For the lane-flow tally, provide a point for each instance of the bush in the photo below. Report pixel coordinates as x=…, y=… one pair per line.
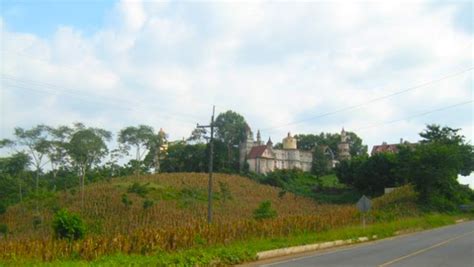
x=264, y=211
x=148, y=204
x=126, y=201
x=37, y=221
x=139, y=189
x=68, y=225
x=3, y=208
x=4, y=230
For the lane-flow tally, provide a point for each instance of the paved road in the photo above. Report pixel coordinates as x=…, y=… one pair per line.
x=448, y=246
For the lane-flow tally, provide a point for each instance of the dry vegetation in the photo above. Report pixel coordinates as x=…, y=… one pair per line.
x=175, y=221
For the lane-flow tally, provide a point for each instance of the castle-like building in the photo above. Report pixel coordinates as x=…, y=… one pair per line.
x=263, y=158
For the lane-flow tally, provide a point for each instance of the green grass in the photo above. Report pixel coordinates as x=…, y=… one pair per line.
x=239, y=252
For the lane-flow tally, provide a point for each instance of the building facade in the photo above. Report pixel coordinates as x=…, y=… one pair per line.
x=264, y=158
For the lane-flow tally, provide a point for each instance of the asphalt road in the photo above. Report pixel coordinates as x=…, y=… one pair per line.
x=448, y=246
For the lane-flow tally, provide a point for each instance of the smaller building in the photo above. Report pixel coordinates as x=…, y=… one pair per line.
x=390, y=148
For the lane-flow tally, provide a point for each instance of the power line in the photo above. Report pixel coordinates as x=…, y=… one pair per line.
x=372, y=100
x=90, y=99
x=416, y=115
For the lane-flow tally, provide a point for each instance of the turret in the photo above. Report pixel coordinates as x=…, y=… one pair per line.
x=269, y=143
x=289, y=142
x=343, y=147
x=259, y=139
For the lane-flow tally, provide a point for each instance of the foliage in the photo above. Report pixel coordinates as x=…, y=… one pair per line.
x=321, y=162
x=68, y=226
x=309, y=141
x=140, y=137
x=224, y=191
x=139, y=189
x=264, y=211
x=4, y=229
x=230, y=130
x=86, y=148
x=147, y=203
x=126, y=201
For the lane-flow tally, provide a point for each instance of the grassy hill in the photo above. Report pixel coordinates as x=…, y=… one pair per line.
x=119, y=221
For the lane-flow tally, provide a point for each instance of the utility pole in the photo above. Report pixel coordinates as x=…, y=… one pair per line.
x=211, y=160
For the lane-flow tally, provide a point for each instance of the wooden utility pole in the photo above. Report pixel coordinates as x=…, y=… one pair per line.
x=211, y=161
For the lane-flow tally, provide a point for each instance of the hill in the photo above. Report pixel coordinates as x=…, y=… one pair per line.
x=118, y=220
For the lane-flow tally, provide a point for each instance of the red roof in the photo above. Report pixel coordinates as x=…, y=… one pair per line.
x=257, y=151
x=393, y=148
x=385, y=148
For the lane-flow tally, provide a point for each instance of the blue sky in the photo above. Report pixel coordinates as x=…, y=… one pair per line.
x=119, y=63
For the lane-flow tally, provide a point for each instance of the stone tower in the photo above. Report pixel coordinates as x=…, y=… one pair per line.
x=343, y=147
x=246, y=146
x=289, y=142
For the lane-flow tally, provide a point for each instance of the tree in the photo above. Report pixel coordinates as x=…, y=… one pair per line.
x=12, y=175
x=36, y=144
x=86, y=148
x=321, y=163
x=309, y=141
x=141, y=138
x=56, y=148
x=434, y=165
x=264, y=211
x=68, y=225
x=198, y=136
x=230, y=129
x=157, y=150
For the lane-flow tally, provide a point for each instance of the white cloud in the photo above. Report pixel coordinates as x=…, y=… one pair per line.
x=165, y=64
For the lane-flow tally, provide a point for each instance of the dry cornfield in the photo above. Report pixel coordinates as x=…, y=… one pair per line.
x=177, y=220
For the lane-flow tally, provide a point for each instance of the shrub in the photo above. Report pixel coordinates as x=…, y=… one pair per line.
x=3, y=208
x=225, y=191
x=139, y=189
x=4, y=230
x=68, y=225
x=264, y=211
x=37, y=221
x=126, y=201
x=148, y=204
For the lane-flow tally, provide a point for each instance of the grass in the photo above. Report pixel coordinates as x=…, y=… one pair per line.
x=239, y=252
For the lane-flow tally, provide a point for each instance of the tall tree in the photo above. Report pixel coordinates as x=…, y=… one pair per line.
x=156, y=151
x=12, y=172
x=321, y=162
x=230, y=129
x=36, y=145
x=86, y=148
x=141, y=138
x=56, y=150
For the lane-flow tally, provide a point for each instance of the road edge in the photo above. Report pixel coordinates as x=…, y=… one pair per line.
x=281, y=252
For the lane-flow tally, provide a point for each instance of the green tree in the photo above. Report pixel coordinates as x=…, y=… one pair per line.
x=56, y=147
x=36, y=145
x=13, y=172
x=68, y=225
x=156, y=151
x=309, y=141
x=434, y=165
x=86, y=148
x=141, y=138
x=230, y=129
x=321, y=162
x=264, y=211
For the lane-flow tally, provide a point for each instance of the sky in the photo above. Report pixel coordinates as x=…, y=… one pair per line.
x=381, y=69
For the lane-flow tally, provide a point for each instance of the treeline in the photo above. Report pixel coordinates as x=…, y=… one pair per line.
x=45, y=159
x=432, y=166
